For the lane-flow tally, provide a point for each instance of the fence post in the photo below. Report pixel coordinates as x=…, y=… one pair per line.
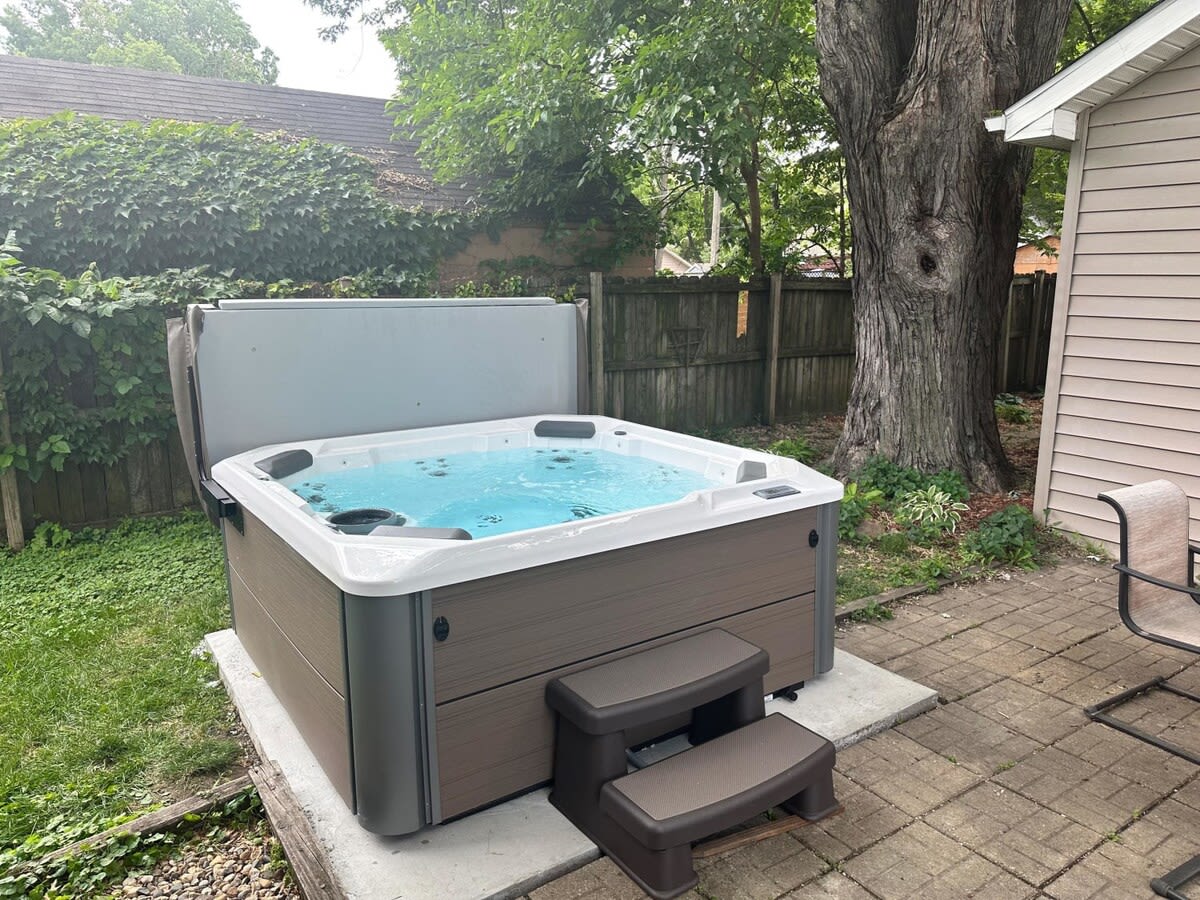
x=1034, y=330
x=9, y=498
x=774, y=326
x=596, y=340
x=1005, y=343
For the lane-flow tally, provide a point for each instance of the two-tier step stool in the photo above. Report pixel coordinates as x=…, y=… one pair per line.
x=741, y=764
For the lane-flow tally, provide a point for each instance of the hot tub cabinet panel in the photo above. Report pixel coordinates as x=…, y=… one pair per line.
x=501, y=741
x=288, y=617
x=514, y=625
x=305, y=604
x=415, y=665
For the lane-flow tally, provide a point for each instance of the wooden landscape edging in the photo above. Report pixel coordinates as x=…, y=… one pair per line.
x=756, y=833
x=160, y=820
x=309, y=862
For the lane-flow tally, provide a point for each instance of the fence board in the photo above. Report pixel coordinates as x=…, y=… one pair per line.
x=95, y=501
x=70, y=494
x=116, y=491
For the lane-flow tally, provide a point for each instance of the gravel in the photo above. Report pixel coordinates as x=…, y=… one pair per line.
x=231, y=863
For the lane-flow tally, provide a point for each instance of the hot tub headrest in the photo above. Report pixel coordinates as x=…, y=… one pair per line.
x=289, y=462
x=564, y=429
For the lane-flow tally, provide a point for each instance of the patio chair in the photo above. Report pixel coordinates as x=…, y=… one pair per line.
x=1158, y=600
x=1157, y=595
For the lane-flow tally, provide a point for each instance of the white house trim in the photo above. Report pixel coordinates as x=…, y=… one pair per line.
x=1048, y=115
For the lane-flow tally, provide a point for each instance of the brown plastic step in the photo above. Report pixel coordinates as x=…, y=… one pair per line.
x=723, y=782
x=656, y=683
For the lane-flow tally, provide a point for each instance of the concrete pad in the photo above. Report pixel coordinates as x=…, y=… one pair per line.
x=854, y=700
x=509, y=849
x=502, y=852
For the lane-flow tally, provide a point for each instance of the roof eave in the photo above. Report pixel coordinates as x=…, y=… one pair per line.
x=1056, y=129
x=1047, y=115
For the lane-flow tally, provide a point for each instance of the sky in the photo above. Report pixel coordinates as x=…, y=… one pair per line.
x=355, y=64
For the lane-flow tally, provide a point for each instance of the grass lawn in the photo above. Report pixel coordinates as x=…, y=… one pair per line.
x=103, y=707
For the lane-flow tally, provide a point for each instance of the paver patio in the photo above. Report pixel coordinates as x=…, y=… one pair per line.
x=1006, y=790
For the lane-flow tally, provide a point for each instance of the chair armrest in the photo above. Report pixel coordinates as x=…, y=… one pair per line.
x=1193, y=553
x=1193, y=592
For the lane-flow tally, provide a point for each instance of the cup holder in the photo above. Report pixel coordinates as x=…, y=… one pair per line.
x=363, y=521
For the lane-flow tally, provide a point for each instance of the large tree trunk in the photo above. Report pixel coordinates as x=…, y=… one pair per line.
x=935, y=205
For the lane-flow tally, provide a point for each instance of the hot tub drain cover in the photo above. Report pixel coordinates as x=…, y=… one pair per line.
x=363, y=521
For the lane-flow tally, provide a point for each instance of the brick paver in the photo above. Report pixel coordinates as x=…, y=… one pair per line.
x=1006, y=790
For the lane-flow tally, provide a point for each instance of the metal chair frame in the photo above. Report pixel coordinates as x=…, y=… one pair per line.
x=1098, y=711
x=1168, y=885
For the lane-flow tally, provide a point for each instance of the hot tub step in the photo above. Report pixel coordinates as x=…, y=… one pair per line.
x=646, y=821
x=717, y=785
x=740, y=765
x=716, y=674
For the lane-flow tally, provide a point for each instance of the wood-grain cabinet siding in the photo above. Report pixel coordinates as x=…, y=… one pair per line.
x=516, y=753
x=512, y=626
x=1128, y=405
x=288, y=617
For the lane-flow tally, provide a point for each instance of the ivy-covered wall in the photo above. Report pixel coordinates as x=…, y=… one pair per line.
x=139, y=198
x=84, y=358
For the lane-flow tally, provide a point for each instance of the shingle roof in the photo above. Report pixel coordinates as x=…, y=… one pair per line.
x=35, y=88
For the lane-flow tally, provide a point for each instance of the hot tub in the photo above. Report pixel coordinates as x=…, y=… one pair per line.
x=413, y=658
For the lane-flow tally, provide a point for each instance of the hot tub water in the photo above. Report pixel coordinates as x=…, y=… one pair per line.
x=501, y=491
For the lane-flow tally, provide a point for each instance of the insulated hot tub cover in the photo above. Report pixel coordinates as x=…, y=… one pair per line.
x=248, y=373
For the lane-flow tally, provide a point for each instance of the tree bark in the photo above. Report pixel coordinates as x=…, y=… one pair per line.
x=935, y=204
x=751, y=171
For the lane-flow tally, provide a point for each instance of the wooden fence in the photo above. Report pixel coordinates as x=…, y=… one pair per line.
x=152, y=479
x=685, y=354
x=714, y=353
x=711, y=353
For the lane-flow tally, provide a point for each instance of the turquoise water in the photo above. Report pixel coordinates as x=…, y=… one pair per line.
x=502, y=491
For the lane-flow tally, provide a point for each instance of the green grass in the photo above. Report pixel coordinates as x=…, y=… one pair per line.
x=103, y=707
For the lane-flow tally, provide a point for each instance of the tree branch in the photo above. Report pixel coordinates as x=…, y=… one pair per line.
x=1087, y=23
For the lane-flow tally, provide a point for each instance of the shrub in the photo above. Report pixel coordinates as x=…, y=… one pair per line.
x=1007, y=536
x=143, y=197
x=891, y=480
x=897, y=481
x=1011, y=408
x=929, y=513
x=951, y=483
x=796, y=448
x=85, y=368
x=855, y=503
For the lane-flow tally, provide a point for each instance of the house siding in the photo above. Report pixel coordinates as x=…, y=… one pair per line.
x=1124, y=403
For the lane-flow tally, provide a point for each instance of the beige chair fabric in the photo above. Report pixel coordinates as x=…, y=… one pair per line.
x=1156, y=543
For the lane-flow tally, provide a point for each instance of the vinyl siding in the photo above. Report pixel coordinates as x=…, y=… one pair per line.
x=1126, y=406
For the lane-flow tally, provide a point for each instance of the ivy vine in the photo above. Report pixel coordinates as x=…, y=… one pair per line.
x=84, y=358
x=145, y=197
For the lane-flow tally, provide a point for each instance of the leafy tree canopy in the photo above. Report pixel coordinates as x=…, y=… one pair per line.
x=664, y=101
x=191, y=37
x=657, y=99
x=1092, y=22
